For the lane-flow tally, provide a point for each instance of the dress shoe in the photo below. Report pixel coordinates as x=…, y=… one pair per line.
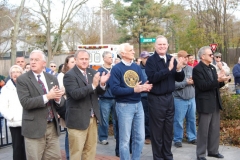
x=194, y=142
x=216, y=155
x=178, y=144
x=201, y=158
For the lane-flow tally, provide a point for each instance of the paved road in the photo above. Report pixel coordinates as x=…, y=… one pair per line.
x=106, y=152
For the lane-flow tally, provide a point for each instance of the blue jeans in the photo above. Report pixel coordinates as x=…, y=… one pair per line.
x=184, y=109
x=130, y=120
x=107, y=106
x=1, y=123
x=66, y=144
x=237, y=91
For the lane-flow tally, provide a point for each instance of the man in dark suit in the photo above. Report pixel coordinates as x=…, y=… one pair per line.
x=208, y=101
x=83, y=85
x=162, y=71
x=39, y=95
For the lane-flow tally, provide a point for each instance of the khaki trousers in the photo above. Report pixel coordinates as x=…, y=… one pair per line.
x=46, y=148
x=83, y=143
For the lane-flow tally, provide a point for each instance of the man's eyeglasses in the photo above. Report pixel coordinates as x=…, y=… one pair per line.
x=218, y=57
x=210, y=55
x=53, y=66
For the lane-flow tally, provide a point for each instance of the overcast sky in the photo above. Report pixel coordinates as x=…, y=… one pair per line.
x=56, y=8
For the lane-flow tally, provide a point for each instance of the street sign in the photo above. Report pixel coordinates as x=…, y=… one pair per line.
x=213, y=46
x=147, y=40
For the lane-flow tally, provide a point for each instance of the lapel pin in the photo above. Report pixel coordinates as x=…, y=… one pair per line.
x=51, y=83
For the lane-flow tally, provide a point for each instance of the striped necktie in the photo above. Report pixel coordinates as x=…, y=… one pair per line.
x=50, y=112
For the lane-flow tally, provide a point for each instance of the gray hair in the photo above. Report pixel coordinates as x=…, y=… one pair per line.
x=42, y=53
x=202, y=50
x=80, y=51
x=161, y=36
x=122, y=48
x=15, y=66
x=105, y=53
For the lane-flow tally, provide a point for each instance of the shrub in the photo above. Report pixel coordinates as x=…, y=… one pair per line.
x=231, y=106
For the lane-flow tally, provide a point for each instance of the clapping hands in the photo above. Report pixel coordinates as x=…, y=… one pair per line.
x=142, y=87
x=55, y=93
x=102, y=79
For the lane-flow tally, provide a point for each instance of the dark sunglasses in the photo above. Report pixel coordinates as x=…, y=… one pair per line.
x=218, y=57
x=53, y=66
x=210, y=55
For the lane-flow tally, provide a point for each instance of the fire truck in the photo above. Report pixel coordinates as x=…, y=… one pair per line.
x=96, y=52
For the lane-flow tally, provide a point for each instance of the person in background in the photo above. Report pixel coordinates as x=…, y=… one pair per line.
x=126, y=83
x=69, y=63
x=117, y=60
x=220, y=65
x=2, y=83
x=12, y=110
x=60, y=68
x=20, y=61
x=162, y=71
x=40, y=95
x=27, y=68
x=191, y=61
x=236, y=74
x=83, y=86
x=144, y=56
x=185, y=106
x=208, y=101
x=53, y=68
x=107, y=102
x=138, y=60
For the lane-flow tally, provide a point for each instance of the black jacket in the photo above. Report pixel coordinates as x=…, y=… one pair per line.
x=206, y=90
x=159, y=75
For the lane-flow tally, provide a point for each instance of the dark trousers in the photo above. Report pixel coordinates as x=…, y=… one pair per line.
x=208, y=133
x=161, y=114
x=18, y=143
x=146, y=117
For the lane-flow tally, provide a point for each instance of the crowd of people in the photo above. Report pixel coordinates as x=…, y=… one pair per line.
x=148, y=102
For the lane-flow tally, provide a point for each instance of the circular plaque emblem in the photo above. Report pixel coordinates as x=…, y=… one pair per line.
x=131, y=78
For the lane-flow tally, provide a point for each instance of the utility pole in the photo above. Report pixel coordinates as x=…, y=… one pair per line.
x=101, y=23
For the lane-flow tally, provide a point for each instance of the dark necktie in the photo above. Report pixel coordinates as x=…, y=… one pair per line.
x=85, y=75
x=209, y=69
x=50, y=112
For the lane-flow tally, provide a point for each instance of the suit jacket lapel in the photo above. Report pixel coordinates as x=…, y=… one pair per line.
x=80, y=75
x=89, y=76
x=213, y=72
x=49, y=81
x=206, y=72
x=35, y=82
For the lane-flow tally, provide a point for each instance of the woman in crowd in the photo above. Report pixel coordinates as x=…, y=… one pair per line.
x=27, y=67
x=60, y=68
x=68, y=64
x=11, y=110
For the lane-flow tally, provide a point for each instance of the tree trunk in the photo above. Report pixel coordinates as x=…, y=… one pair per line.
x=14, y=33
x=49, y=42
